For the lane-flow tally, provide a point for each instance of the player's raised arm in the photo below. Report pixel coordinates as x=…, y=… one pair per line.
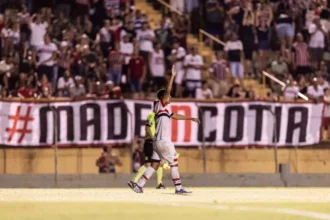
x=183, y=117
x=169, y=85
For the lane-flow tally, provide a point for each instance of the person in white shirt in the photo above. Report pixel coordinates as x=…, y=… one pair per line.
x=145, y=37
x=64, y=84
x=316, y=42
x=204, y=93
x=38, y=30
x=157, y=66
x=126, y=48
x=323, y=83
x=46, y=58
x=106, y=38
x=11, y=37
x=315, y=91
x=193, y=64
x=291, y=91
x=176, y=57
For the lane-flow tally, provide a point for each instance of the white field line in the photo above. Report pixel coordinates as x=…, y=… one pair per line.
x=287, y=211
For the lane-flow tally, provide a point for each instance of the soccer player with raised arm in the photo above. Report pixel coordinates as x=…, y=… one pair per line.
x=148, y=150
x=163, y=147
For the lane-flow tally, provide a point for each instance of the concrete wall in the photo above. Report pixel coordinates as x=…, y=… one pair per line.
x=189, y=180
x=82, y=161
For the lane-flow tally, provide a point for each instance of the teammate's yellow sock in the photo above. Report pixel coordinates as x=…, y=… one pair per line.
x=139, y=174
x=159, y=175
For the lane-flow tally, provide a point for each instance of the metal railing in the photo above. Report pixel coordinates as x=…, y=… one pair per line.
x=213, y=38
x=168, y=7
x=283, y=84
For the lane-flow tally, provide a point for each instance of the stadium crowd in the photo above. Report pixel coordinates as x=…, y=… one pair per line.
x=106, y=48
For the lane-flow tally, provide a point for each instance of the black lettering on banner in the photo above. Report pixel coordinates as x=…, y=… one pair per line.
x=44, y=122
x=239, y=123
x=95, y=121
x=278, y=117
x=119, y=121
x=259, y=119
x=140, y=122
x=292, y=125
x=211, y=137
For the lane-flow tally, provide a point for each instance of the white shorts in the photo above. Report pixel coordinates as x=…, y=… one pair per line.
x=164, y=150
x=179, y=77
x=237, y=69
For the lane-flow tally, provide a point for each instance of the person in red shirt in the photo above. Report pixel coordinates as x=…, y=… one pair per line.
x=136, y=73
x=26, y=91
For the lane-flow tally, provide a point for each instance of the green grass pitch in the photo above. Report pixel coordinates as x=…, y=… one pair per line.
x=204, y=204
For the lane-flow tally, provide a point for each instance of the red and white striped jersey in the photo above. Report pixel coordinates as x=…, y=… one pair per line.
x=163, y=120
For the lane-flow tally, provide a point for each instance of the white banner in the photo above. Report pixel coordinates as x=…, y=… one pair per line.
x=96, y=122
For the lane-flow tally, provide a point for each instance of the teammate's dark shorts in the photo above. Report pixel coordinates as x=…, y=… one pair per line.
x=148, y=150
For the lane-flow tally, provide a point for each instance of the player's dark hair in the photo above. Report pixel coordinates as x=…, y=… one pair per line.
x=161, y=94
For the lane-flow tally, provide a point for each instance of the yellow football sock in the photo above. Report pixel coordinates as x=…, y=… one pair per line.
x=159, y=175
x=139, y=174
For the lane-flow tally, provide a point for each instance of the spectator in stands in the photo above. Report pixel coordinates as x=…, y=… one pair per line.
x=138, y=20
x=323, y=71
x=284, y=25
x=64, y=84
x=108, y=161
x=46, y=53
x=263, y=39
x=205, y=92
x=146, y=37
x=315, y=91
x=291, y=91
x=45, y=87
x=11, y=38
x=157, y=66
x=214, y=19
x=137, y=71
x=264, y=14
x=279, y=67
x=126, y=48
x=220, y=74
x=129, y=30
x=301, y=54
x=316, y=42
x=107, y=38
x=180, y=30
x=116, y=61
x=251, y=95
x=322, y=83
x=176, y=57
x=26, y=91
x=247, y=36
x=234, y=92
x=24, y=19
x=38, y=31
x=193, y=64
x=234, y=50
x=78, y=89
